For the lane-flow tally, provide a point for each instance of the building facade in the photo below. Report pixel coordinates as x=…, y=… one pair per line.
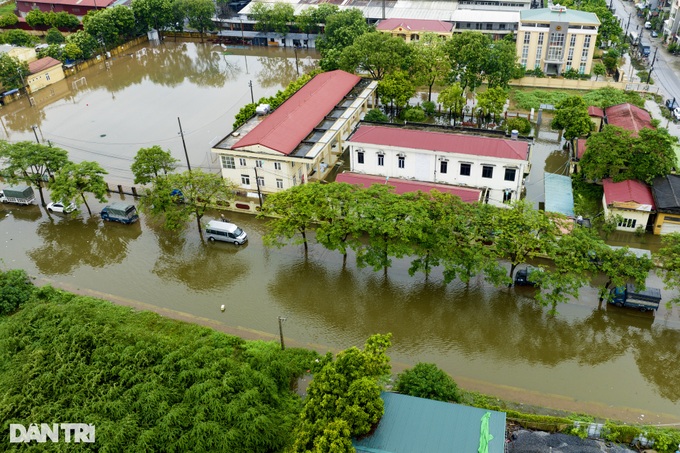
x=301, y=140
x=631, y=202
x=412, y=29
x=496, y=24
x=75, y=7
x=495, y=165
x=44, y=72
x=556, y=40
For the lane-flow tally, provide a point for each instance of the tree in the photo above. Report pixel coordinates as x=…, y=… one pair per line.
x=199, y=190
x=492, y=101
x=668, y=258
x=342, y=29
x=451, y=98
x=621, y=266
x=599, y=69
x=518, y=123
x=376, y=116
x=152, y=14
x=501, y=65
x=15, y=290
x=521, y=233
x=73, y=180
x=607, y=154
x=375, y=53
x=426, y=380
x=272, y=18
x=149, y=163
x=36, y=18
x=199, y=14
x=8, y=19
x=572, y=117
x=20, y=38
x=652, y=155
x=110, y=26
x=611, y=60
x=430, y=61
x=343, y=400
x=54, y=36
x=33, y=163
x=13, y=72
x=309, y=19
x=63, y=20
x=396, y=88
x=293, y=212
x=84, y=42
x=468, y=53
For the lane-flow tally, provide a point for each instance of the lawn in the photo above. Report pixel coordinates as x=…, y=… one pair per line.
x=7, y=8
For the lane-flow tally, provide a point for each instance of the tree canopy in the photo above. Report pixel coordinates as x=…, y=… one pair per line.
x=572, y=117
x=72, y=181
x=375, y=53
x=426, y=380
x=150, y=163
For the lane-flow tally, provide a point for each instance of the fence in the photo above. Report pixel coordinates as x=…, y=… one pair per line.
x=98, y=60
x=568, y=84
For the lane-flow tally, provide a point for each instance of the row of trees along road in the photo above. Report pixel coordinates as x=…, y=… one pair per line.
x=438, y=229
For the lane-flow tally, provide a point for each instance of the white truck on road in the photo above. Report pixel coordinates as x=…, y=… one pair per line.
x=18, y=195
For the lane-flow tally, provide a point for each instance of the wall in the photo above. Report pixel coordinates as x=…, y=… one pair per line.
x=550, y=82
x=98, y=60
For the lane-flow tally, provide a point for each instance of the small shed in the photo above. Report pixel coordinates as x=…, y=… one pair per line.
x=416, y=425
x=559, y=195
x=44, y=72
x=631, y=200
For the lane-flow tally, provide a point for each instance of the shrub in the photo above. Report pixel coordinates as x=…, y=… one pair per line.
x=54, y=36
x=426, y=380
x=376, y=116
x=518, y=123
x=15, y=290
x=414, y=115
x=429, y=107
x=571, y=74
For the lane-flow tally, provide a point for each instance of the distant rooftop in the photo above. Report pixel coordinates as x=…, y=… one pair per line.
x=441, y=141
x=628, y=116
x=417, y=25
x=559, y=14
x=466, y=194
x=44, y=63
x=628, y=191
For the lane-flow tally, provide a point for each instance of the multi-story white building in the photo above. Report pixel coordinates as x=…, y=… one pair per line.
x=495, y=165
x=670, y=25
x=301, y=139
x=556, y=39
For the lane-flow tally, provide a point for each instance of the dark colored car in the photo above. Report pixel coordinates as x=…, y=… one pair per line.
x=523, y=276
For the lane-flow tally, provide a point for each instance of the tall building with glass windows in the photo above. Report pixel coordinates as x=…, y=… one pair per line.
x=555, y=39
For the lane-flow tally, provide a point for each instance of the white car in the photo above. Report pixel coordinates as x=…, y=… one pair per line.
x=58, y=206
x=676, y=113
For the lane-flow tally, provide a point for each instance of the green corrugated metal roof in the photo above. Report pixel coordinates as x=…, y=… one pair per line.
x=416, y=425
x=559, y=195
x=572, y=16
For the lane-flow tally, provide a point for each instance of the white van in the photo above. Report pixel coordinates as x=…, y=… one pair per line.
x=224, y=231
x=648, y=25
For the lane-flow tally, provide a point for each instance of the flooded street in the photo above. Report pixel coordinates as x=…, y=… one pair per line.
x=618, y=363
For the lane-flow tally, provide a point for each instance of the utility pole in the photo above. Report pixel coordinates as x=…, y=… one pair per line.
x=252, y=98
x=281, y=320
x=628, y=24
x=649, y=75
x=654, y=58
x=35, y=133
x=184, y=144
x=257, y=182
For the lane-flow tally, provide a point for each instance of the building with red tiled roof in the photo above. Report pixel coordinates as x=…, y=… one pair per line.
x=467, y=194
x=495, y=165
x=596, y=115
x=629, y=117
x=44, y=72
x=631, y=200
x=301, y=139
x=412, y=29
x=75, y=7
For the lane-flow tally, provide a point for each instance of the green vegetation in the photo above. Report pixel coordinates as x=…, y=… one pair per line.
x=602, y=97
x=520, y=124
x=426, y=380
x=146, y=383
x=15, y=290
x=9, y=7
x=572, y=118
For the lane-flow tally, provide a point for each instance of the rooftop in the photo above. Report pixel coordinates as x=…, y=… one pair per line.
x=420, y=25
x=101, y=4
x=629, y=193
x=666, y=190
x=559, y=195
x=559, y=14
x=581, y=146
x=473, y=15
x=416, y=425
x=628, y=116
x=285, y=128
x=595, y=111
x=36, y=66
x=441, y=142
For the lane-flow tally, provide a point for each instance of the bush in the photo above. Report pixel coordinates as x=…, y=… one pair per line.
x=425, y=380
x=414, y=115
x=571, y=74
x=429, y=107
x=54, y=36
x=376, y=116
x=518, y=123
x=15, y=290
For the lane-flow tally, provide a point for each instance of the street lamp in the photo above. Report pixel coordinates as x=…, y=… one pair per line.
x=281, y=321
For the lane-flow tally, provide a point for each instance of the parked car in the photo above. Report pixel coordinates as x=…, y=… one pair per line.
x=58, y=206
x=527, y=276
x=225, y=231
x=648, y=25
x=676, y=113
x=671, y=104
x=120, y=212
x=654, y=34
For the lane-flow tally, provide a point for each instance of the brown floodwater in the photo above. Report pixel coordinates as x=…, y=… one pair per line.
x=613, y=362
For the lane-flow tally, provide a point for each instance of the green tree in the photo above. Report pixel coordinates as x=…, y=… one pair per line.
x=273, y=17
x=426, y=380
x=652, y=155
x=8, y=19
x=63, y=20
x=15, y=290
x=572, y=117
x=20, y=38
x=200, y=190
x=430, y=61
x=110, y=26
x=54, y=36
x=610, y=60
x=376, y=116
x=342, y=29
x=520, y=124
x=668, y=258
x=32, y=163
x=468, y=53
x=36, y=18
x=13, y=72
x=492, y=101
x=199, y=14
x=599, y=69
x=621, y=266
x=84, y=42
x=150, y=163
x=293, y=212
x=310, y=19
x=451, y=98
x=375, y=53
x=152, y=14
x=396, y=88
x=72, y=181
x=343, y=400
x=501, y=64
x=607, y=154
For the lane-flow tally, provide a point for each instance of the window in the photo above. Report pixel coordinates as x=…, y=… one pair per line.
x=258, y=163
x=510, y=174
x=525, y=55
x=47, y=76
x=279, y=183
x=465, y=169
x=489, y=26
x=555, y=47
x=242, y=162
x=582, y=68
x=294, y=181
x=527, y=38
x=627, y=223
x=360, y=157
x=245, y=180
x=443, y=166
x=507, y=196
x=381, y=160
x=260, y=181
x=228, y=162
x=487, y=171
x=541, y=36
x=277, y=165
x=402, y=161
x=572, y=41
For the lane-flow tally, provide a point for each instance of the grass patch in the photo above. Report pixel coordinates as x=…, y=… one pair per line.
x=526, y=100
x=7, y=8
x=602, y=97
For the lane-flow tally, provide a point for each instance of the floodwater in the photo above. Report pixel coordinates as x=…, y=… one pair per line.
x=617, y=363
